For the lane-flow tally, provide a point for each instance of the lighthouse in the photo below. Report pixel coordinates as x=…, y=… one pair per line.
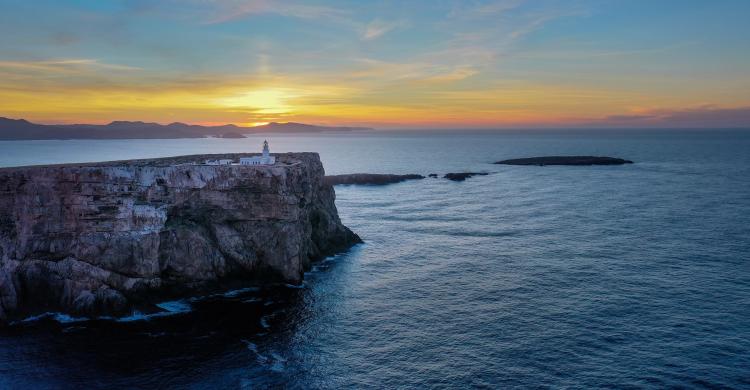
x=264, y=159
x=266, y=151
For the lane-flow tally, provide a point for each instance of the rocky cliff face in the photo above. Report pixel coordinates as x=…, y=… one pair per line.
x=100, y=238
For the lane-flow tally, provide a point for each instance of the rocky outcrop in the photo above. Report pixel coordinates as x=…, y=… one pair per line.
x=461, y=176
x=566, y=160
x=103, y=238
x=369, y=179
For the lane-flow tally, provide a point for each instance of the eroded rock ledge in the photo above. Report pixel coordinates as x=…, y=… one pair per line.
x=101, y=238
x=461, y=176
x=369, y=179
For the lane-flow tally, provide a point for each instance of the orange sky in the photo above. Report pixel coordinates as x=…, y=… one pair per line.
x=489, y=64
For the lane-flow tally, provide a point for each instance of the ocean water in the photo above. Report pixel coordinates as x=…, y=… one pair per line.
x=634, y=276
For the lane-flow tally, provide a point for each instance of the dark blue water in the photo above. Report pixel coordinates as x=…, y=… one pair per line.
x=610, y=277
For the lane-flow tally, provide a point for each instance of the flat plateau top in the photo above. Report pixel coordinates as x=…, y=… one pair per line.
x=282, y=159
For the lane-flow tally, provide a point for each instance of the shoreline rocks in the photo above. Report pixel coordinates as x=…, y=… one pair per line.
x=461, y=176
x=103, y=238
x=565, y=160
x=369, y=179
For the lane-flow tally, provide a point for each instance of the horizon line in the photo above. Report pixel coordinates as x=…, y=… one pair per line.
x=582, y=126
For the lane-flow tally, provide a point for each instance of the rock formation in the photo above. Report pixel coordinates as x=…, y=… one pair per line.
x=461, y=176
x=369, y=178
x=565, y=160
x=103, y=238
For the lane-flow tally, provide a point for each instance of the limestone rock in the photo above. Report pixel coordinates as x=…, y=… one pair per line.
x=461, y=176
x=100, y=238
x=369, y=178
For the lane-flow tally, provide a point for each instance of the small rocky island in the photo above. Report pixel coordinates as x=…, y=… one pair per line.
x=383, y=179
x=104, y=238
x=565, y=160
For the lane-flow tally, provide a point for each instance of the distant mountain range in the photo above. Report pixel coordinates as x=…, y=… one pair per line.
x=21, y=129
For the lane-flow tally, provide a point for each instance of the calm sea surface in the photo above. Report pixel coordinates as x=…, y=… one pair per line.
x=628, y=276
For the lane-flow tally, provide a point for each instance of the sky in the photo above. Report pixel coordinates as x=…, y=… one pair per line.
x=384, y=64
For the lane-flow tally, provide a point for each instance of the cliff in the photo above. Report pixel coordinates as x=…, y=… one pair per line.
x=103, y=238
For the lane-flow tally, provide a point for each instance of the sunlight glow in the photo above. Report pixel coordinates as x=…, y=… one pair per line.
x=262, y=101
x=484, y=63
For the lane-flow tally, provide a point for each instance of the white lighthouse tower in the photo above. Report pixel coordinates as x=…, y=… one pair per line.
x=265, y=159
x=266, y=152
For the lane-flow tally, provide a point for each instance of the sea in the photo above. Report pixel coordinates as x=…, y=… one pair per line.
x=631, y=276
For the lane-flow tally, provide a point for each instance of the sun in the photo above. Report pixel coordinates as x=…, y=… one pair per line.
x=262, y=101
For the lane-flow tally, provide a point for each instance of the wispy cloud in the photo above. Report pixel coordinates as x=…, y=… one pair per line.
x=495, y=8
x=486, y=9
x=378, y=28
x=63, y=65
x=228, y=10
x=423, y=71
x=455, y=74
x=576, y=53
x=488, y=32
x=538, y=20
x=700, y=116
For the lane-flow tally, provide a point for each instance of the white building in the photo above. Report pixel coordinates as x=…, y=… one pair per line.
x=219, y=162
x=265, y=159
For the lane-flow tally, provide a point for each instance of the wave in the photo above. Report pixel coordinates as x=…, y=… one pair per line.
x=462, y=233
x=58, y=317
x=238, y=292
x=264, y=322
x=170, y=308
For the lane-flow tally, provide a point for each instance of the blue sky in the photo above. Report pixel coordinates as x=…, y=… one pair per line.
x=504, y=63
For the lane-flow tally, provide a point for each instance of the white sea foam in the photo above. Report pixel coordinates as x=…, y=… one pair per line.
x=175, y=306
x=277, y=366
x=251, y=346
x=135, y=316
x=278, y=362
x=170, y=308
x=59, y=317
x=238, y=292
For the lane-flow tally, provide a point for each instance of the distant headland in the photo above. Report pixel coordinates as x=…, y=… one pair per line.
x=21, y=129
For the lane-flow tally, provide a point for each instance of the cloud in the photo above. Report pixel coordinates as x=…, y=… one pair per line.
x=701, y=116
x=378, y=28
x=536, y=21
x=456, y=74
x=422, y=71
x=62, y=66
x=228, y=10
x=578, y=54
x=491, y=31
x=628, y=118
x=488, y=9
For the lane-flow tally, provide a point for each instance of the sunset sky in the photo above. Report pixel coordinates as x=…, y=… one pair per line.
x=387, y=64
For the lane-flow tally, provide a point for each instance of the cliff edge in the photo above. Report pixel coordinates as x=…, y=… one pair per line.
x=102, y=238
